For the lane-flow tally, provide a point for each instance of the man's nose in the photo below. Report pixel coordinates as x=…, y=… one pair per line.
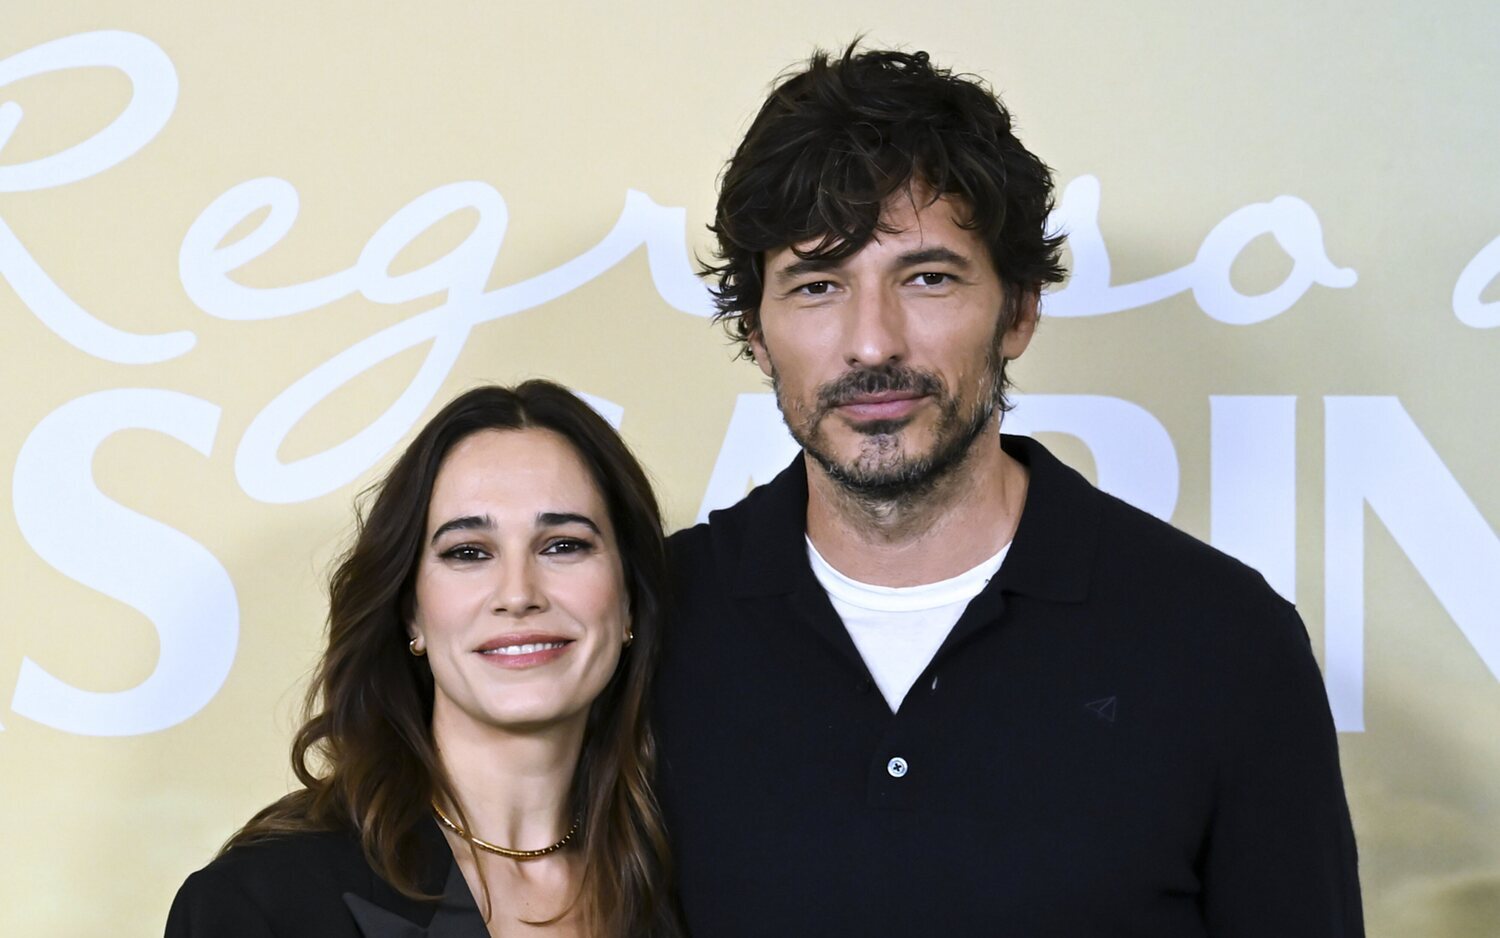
x=875, y=328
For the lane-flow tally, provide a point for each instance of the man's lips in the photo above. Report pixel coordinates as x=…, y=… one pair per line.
x=523, y=650
x=884, y=405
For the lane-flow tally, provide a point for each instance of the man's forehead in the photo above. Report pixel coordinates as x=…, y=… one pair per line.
x=911, y=220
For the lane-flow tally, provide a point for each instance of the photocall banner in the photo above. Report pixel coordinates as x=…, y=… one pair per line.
x=246, y=249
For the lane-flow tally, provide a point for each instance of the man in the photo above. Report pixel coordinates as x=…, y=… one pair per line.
x=929, y=681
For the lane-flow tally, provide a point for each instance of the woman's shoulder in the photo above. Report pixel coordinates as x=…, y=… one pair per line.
x=290, y=857
x=310, y=882
x=253, y=888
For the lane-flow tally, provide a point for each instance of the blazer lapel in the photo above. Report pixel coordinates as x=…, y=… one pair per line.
x=457, y=915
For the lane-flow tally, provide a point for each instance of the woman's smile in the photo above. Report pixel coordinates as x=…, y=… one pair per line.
x=523, y=651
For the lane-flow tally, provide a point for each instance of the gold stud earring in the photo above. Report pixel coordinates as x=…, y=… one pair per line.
x=411, y=646
x=629, y=637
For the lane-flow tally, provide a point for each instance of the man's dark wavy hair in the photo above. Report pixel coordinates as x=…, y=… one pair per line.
x=833, y=142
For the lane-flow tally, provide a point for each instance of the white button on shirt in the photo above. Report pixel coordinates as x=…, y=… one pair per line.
x=898, y=629
x=897, y=767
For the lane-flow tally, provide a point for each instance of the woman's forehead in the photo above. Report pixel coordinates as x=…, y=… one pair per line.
x=515, y=472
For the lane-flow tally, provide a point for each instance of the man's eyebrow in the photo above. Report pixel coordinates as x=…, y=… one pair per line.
x=553, y=519
x=806, y=265
x=934, y=255
x=818, y=265
x=466, y=523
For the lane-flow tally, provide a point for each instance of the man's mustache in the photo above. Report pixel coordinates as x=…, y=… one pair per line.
x=855, y=384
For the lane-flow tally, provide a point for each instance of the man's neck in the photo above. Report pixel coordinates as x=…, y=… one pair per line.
x=961, y=521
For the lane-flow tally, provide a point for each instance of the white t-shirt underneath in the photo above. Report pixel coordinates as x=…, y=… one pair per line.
x=898, y=629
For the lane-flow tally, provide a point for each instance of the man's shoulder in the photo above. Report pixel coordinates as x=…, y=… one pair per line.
x=697, y=542
x=1108, y=546
x=1190, y=594
x=1152, y=550
x=688, y=540
x=694, y=552
x=726, y=528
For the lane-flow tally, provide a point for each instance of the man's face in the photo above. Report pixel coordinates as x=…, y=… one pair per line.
x=887, y=363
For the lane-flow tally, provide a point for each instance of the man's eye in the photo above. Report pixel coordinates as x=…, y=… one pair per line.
x=567, y=545
x=932, y=278
x=816, y=288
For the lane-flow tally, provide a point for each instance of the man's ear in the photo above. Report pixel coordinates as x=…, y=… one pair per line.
x=1018, y=336
x=758, y=349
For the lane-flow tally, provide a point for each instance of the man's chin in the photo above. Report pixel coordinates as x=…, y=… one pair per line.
x=889, y=471
x=891, y=427
x=849, y=441
x=898, y=464
x=885, y=482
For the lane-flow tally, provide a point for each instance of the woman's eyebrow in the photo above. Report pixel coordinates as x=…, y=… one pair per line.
x=466, y=523
x=552, y=519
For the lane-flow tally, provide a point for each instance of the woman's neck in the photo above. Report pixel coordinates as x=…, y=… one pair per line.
x=513, y=787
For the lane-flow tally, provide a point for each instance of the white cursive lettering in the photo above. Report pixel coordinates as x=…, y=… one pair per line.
x=1291, y=221
x=154, y=96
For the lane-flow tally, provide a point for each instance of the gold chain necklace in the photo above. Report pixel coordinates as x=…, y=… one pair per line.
x=508, y=852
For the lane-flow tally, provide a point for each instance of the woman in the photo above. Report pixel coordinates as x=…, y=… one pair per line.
x=478, y=760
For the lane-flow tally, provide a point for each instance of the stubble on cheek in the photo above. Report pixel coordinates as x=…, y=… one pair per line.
x=798, y=415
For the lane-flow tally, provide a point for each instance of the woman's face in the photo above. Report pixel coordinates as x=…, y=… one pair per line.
x=520, y=590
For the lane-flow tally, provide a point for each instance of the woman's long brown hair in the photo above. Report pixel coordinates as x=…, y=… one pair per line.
x=365, y=755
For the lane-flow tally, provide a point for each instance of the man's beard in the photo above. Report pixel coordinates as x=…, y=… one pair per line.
x=882, y=472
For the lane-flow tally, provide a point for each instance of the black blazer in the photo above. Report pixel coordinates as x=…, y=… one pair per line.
x=318, y=884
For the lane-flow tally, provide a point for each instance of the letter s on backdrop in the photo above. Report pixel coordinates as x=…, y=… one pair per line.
x=159, y=571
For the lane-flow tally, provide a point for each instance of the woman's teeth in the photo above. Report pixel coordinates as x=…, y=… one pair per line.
x=523, y=649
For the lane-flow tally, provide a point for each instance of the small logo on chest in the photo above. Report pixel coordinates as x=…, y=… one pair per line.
x=1105, y=708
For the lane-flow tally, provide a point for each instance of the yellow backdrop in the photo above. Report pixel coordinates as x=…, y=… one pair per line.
x=245, y=248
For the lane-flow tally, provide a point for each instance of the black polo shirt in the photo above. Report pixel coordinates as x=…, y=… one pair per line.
x=1124, y=734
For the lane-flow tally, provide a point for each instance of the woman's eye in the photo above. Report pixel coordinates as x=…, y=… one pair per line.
x=567, y=545
x=464, y=553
